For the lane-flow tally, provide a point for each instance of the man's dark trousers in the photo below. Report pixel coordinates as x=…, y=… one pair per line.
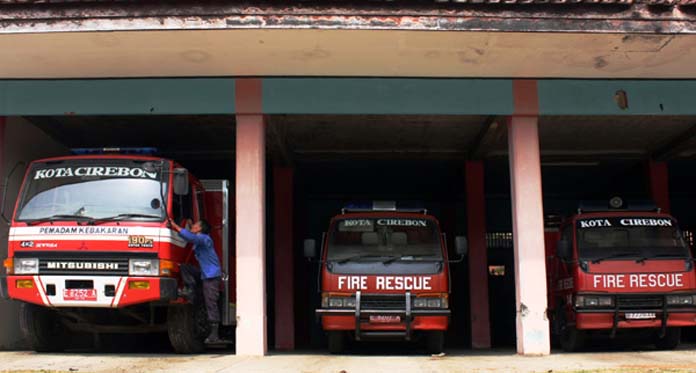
x=211, y=289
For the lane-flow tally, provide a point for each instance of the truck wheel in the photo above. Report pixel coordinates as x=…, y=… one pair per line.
x=185, y=329
x=572, y=339
x=336, y=342
x=435, y=342
x=42, y=328
x=670, y=341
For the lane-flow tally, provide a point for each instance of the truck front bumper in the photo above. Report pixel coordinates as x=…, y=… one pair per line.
x=105, y=291
x=358, y=319
x=614, y=319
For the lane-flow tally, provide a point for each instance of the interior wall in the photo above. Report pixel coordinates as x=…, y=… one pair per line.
x=23, y=142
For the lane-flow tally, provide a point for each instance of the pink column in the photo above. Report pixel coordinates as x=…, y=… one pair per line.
x=3, y=122
x=528, y=231
x=283, y=258
x=250, y=220
x=658, y=179
x=478, y=255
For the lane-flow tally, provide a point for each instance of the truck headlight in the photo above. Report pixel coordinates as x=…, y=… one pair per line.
x=681, y=300
x=143, y=267
x=26, y=266
x=337, y=301
x=431, y=302
x=594, y=301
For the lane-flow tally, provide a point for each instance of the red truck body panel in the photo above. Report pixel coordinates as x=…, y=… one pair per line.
x=646, y=283
x=71, y=250
x=370, y=285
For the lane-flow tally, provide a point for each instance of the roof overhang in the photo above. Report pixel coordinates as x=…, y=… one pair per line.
x=136, y=39
x=362, y=53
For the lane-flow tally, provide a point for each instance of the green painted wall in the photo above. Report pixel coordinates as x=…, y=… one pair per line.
x=341, y=96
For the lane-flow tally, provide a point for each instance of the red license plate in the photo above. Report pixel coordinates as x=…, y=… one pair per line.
x=80, y=294
x=380, y=319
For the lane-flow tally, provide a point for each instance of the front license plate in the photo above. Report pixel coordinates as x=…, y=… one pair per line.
x=640, y=316
x=380, y=319
x=89, y=295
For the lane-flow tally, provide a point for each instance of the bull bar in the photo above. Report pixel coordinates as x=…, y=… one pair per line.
x=408, y=313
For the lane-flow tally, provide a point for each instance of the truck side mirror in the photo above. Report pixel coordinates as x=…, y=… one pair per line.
x=310, y=248
x=461, y=245
x=181, y=182
x=564, y=250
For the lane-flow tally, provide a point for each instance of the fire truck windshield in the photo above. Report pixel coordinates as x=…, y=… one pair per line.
x=90, y=189
x=384, y=239
x=625, y=238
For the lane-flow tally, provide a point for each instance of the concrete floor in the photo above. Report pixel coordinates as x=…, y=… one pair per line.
x=682, y=360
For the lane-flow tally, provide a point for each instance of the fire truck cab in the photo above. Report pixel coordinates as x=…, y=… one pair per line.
x=91, y=252
x=619, y=268
x=384, y=274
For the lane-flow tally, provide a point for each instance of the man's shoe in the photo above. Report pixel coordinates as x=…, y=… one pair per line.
x=213, y=338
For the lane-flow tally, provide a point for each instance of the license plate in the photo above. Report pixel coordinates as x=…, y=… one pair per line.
x=640, y=316
x=380, y=319
x=80, y=294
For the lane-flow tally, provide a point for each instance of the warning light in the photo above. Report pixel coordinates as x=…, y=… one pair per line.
x=91, y=151
x=616, y=202
x=382, y=206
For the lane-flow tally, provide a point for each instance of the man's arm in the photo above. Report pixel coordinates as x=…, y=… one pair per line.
x=185, y=233
x=190, y=237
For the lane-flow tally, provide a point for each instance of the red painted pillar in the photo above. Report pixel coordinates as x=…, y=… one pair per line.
x=658, y=183
x=478, y=255
x=528, y=222
x=283, y=258
x=250, y=219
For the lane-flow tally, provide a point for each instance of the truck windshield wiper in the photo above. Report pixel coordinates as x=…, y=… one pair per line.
x=613, y=256
x=360, y=256
x=57, y=217
x=124, y=216
x=661, y=255
x=399, y=257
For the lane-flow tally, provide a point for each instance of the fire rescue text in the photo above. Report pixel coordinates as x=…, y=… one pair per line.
x=385, y=283
x=642, y=280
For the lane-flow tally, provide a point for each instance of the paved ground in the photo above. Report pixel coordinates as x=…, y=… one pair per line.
x=682, y=360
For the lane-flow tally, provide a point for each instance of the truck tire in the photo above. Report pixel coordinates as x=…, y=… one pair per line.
x=42, y=328
x=572, y=339
x=337, y=342
x=185, y=328
x=435, y=342
x=670, y=341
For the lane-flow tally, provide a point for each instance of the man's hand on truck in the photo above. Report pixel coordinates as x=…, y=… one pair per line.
x=172, y=224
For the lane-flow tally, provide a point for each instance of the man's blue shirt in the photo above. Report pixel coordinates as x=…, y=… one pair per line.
x=205, y=253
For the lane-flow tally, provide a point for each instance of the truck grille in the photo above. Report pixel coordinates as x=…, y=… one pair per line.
x=382, y=302
x=97, y=266
x=639, y=302
x=95, y=263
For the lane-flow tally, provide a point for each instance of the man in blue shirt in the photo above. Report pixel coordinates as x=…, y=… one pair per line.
x=209, y=272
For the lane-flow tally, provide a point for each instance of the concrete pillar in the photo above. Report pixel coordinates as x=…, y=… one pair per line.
x=478, y=255
x=283, y=258
x=528, y=232
x=658, y=184
x=250, y=220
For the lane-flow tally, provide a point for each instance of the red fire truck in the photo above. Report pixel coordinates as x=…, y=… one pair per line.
x=90, y=251
x=384, y=274
x=616, y=268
